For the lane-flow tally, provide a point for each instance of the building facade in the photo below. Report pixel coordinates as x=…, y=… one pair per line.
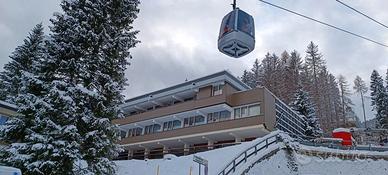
x=206, y=113
x=6, y=110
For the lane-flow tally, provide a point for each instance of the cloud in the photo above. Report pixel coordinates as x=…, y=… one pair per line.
x=179, y=37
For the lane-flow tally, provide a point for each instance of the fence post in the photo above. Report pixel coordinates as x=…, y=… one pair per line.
x=157, y=170
x=234, y=165
x=245, y=156
x=266, y=143
x=255, y=149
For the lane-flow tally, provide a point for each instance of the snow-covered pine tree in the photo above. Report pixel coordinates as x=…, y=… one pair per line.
x=314, y=64
x=40, y=142
x=361, y=88
x=303, y=105
x=248, y=78
x=88, y=53
x=21, y=60
x=379, y=99
x=257, y=73
x=292, y=75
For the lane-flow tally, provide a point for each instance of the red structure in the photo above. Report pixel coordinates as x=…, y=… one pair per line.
x=344, y=134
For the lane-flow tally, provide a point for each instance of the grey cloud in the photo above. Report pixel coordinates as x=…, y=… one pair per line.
x=179, y=37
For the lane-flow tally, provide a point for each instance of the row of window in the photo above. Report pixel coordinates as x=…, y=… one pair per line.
x=247, y=111
x=218, y=116
x=239, y=112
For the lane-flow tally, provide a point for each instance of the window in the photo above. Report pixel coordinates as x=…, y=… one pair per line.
x=245, y=23
x=247, y=111
x=254, y=110
x=195, y=120
x=237, y=113
x=152, y=129
x=134, y=132
x=123, y=134
x=3, y=119
x=227, y=24
x=244, y=111
x=170, y=125
x=218, y=116
x=217, y=89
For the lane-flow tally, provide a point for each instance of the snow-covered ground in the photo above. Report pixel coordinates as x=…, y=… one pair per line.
x=310, y=165
x=279, y=164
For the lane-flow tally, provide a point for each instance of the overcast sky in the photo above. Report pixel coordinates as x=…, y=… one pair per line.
x=179, y=37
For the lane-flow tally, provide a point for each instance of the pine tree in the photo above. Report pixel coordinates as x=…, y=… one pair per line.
x=361, y=88
x=379, y=99
x=292, y=75
x=314, y=64
x=68, y=104
x=257, y=74
x=248, y=79
x=38, y=142
x=21, y=60
x=88, y=56
x=304, y=106
x=346, y=102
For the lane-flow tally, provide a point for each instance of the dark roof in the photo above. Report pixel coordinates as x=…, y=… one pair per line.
x=224, y=72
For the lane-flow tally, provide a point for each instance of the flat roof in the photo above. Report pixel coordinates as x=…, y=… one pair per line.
x=187, y=83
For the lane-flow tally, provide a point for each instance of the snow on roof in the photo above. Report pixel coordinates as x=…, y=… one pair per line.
x=341, y=130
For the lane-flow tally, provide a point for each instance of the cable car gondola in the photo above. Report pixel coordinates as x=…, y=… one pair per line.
x=237, y=33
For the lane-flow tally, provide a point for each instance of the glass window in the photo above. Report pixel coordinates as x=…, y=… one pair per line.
x=244, y=111
x=210, y=117
x=237, y=113
x=227, y=24
x=245, y=23
x=217, y=89
x=123, y=134
x=186, y=122
x=156, y=128
x=3, y=119
x=254, y=110
x=199, y=119
x=177, y=124
x=224, y=115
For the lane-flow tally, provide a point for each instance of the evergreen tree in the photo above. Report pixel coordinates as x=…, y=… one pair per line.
x=257, y=74
x=21, y=60
x=314, y=64
x=379, y=99
x=67, y=128
x=304, y=106
x=361, y=88
x=248, y=79
x=292, y=75
x=38, y=142
x=346, y=102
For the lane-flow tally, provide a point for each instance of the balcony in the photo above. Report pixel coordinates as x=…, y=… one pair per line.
x=173, y=109
x=223, y=130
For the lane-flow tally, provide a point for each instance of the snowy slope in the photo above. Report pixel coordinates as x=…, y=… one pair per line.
x=278, y=164
x=309, y=165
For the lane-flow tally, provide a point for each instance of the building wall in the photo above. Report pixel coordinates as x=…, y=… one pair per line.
x=269, y=108
x=204, y=92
